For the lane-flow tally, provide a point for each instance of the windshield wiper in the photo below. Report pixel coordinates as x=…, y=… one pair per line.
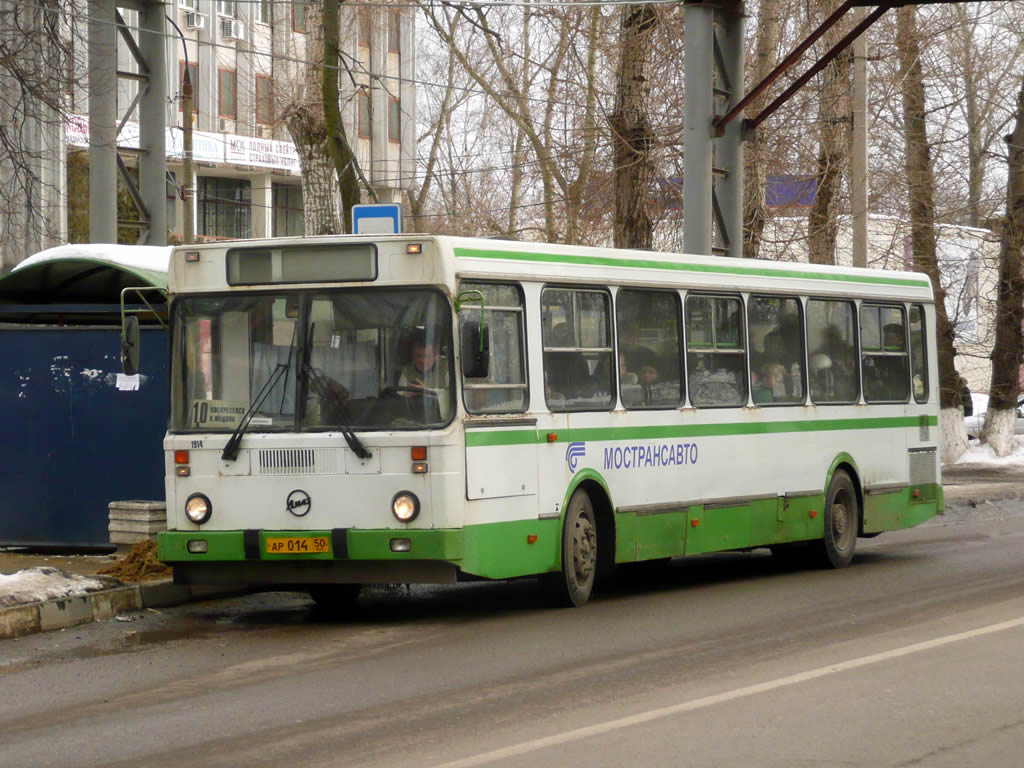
x=230, y=452
x=326, y=391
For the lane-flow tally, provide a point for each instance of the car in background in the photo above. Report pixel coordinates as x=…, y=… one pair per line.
x=977, y=420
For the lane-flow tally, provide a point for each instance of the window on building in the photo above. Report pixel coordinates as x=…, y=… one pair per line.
x=262, y=12
x=193, y=71
x=918, y=354
x=226, y=8
x=288, y=216
x=576, y=332
x=504, y=389
x=715, y=353
x=833, y=373
x=363, y=108
x=264, y=100
x=226, y=93
x=884, y=359
x=650, y=358
x=776, y=333
x=394, y=32
x=299, y=12
x=225, y=207
x=394, y=120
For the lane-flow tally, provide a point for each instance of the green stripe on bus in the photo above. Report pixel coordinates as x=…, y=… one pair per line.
x=682, y=266
x=480, y=438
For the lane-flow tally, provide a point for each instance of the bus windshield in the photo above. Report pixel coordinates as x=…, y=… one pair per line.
x=367, y=359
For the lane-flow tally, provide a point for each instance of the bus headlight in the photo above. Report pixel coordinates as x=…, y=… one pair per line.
x=198, y=508
x=405, y=506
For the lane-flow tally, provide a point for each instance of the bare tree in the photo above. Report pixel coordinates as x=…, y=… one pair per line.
x=631, y=130
x=833, y=146
x=1000, y=417
x=34, y=77
x=920, y=192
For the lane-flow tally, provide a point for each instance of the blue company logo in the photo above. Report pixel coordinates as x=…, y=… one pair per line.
x=574, y=453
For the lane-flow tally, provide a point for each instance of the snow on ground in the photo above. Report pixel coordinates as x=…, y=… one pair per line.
x=981, y=453
x=32, y=585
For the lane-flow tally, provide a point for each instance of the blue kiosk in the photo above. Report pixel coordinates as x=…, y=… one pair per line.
x=76, y=433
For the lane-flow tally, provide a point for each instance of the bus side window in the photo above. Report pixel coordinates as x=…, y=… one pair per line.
x=649, y=352
x=776, y=350
x=576, y=333
x=715, y=351
x=832, y=351
x=504, y=390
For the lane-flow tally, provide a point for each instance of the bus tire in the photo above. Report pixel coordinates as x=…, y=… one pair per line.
x=572, y=586
x=842, y=520
x=335, y=598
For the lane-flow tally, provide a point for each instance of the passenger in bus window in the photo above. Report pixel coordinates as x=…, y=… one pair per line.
x=769, y=384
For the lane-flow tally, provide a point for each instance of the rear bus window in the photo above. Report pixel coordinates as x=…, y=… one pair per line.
x=650, y=353
x=715, y=353
x=833, y=373
x=918, y=356
x=884, y=359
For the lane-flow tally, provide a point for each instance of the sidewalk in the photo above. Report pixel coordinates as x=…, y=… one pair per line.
x=86, y=594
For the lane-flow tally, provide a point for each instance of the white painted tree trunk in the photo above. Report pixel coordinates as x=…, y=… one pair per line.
x=952, y=434
x=998, y=430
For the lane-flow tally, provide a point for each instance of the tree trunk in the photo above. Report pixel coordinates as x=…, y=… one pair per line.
x=631, y=130
x=833, y=145
x=1000, y=418
x=921, y=193
x=340, y=151
x=304, y=117
x=755, y=212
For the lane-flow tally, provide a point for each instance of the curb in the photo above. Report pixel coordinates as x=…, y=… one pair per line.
x=65, y=612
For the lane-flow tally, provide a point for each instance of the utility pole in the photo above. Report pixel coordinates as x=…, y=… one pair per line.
x=188, y=230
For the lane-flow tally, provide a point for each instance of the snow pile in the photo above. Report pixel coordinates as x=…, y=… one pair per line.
x=32, y=585
x=981, y=453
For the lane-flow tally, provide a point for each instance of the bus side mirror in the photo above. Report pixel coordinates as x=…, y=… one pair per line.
x=130, y=345
x=476, y=350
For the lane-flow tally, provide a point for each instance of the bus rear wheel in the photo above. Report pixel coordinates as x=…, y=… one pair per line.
x=335, y=598
x=573, y=585
x=842, y=519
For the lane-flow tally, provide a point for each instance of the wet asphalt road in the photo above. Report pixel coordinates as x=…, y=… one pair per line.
x=909, y=657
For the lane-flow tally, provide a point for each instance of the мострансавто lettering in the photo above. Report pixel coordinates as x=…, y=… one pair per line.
x=641, y=456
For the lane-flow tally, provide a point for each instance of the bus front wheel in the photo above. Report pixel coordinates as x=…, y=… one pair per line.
x=573, y=585
x=842, y=519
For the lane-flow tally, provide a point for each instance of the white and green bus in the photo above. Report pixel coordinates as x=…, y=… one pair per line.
x=423, y=409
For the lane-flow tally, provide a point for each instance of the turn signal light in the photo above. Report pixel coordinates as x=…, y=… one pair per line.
x=181, y=457
x=552, y=437
x=419, y=453
x=413, y=248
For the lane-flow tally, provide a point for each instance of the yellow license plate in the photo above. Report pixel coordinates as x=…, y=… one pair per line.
x=297, y=545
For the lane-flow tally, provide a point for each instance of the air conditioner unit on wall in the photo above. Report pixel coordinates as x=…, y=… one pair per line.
x=232, y=28
x=194, y=20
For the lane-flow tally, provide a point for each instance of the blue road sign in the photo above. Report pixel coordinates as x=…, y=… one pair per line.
x=377, y=219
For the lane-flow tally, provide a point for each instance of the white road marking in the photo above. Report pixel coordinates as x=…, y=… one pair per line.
x=719, y=698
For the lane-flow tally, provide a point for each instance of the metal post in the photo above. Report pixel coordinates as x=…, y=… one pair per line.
x=152, y=121
x=728, y=189
x=186, y=116
x=102, y=122
x=697, y=117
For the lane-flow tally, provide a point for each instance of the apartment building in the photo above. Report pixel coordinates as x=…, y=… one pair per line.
x=246, y=59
